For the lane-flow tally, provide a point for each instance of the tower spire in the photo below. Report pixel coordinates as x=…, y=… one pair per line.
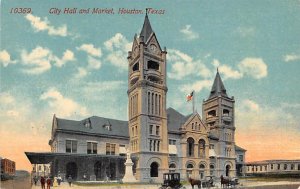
x=218, y=87
x=147, y=29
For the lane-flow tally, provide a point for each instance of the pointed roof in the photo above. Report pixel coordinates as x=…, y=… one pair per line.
x=147, y=29
x=218, y=87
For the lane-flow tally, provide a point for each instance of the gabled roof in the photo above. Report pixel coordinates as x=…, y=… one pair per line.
x=237, y=148
x=98, y=126
x=175, y=119
x=147, y=29
x=217, y=88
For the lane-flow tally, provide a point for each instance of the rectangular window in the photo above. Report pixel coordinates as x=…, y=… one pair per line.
x=172, y=142
x=278, y=166
x=241, y=157
x=150, y=129
x=110, y=149
x=71, y=146
x=157, y=130
x=272, y=166
x=92, y=148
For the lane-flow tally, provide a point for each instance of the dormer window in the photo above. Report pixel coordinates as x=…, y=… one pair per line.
x=107, y=126
x=152, y=65
x=87, y=124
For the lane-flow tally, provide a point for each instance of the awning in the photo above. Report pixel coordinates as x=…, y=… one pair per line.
x=172, y=149
x=212, y=153
x=122, y=150
x=47, y=157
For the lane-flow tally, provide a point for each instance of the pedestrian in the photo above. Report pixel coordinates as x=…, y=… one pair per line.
x=59, y=179
x=70, y=180
x=35, y=179
x=48, y=183
x=55, y=183
x=43, y=182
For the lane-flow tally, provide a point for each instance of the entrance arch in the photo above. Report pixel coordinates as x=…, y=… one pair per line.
x=154, y=169
x=71, y=170
x=227, y=170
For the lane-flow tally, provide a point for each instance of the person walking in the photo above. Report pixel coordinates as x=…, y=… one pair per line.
x=70, y=180
x=48, y=182
x=59, y=179
x=35, y=179
x=43, y=182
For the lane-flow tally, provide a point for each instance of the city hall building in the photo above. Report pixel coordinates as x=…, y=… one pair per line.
x=160, y=139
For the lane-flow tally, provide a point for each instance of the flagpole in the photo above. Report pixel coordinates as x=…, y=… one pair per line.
x=194, y=96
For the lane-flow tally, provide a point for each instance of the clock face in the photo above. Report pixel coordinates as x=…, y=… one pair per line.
x=153, y=47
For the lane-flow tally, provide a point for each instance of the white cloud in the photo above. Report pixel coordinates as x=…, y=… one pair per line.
x=93, y=63
x=188, y=33
x=6, y=98
x=62, y=106
x=67, y=56
x=227, y=71
x=5, y=58
x=39, y=60
x=196, y=86
x=81, y=72
x=118, y=47
x=90, y=49
x=250, y=105
x=291, y=57
x=254, y=67
x=245, y=31
x=44, y=25
x=183, y=65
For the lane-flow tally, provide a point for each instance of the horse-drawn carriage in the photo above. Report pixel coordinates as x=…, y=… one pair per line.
x=226, y=181
x=171, y=181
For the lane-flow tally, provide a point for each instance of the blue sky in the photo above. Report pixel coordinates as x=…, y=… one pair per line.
x=75, y=65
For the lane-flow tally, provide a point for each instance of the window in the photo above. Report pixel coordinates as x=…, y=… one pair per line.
x=110, y=149
x=92, y=148
x=298, y=166
x=272, y=166
x=260, y=168
x=135, y=67
x=241, y=158
x=150, y=129
x=285, y=167
x=278, y=166
x=149, y=103
x=157, y=130
x=153, y=65
x=265, y=168
x=211, y=113
x=226, y=112
x=71, y=146
x=190, y=147
x=150, y=145
x=172, y=142
x=87, y=123
x=201, y=148
x=292, y=166
x=211, y=146
x=192, y=126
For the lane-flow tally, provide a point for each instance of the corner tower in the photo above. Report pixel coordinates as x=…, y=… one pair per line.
x=147, y=89
x=218, y=114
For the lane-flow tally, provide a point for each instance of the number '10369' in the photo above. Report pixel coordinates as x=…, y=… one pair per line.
x=20, y=10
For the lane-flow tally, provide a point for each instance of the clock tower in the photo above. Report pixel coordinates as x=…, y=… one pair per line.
x=147, y=89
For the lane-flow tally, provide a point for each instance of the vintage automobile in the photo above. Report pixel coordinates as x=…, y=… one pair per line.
x=171, y=181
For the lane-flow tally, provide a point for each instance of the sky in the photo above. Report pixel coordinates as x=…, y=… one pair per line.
x=75, y=66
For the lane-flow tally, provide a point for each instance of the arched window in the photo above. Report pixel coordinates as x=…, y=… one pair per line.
x=225, y=112
x=172, y=167
x=211, y=113
x=153, y=65
x=189, y=170
x=201, y=171
x=135, y=67
x=154, y=169
x=190, y=147
x=212, y=168
x=201, y=148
